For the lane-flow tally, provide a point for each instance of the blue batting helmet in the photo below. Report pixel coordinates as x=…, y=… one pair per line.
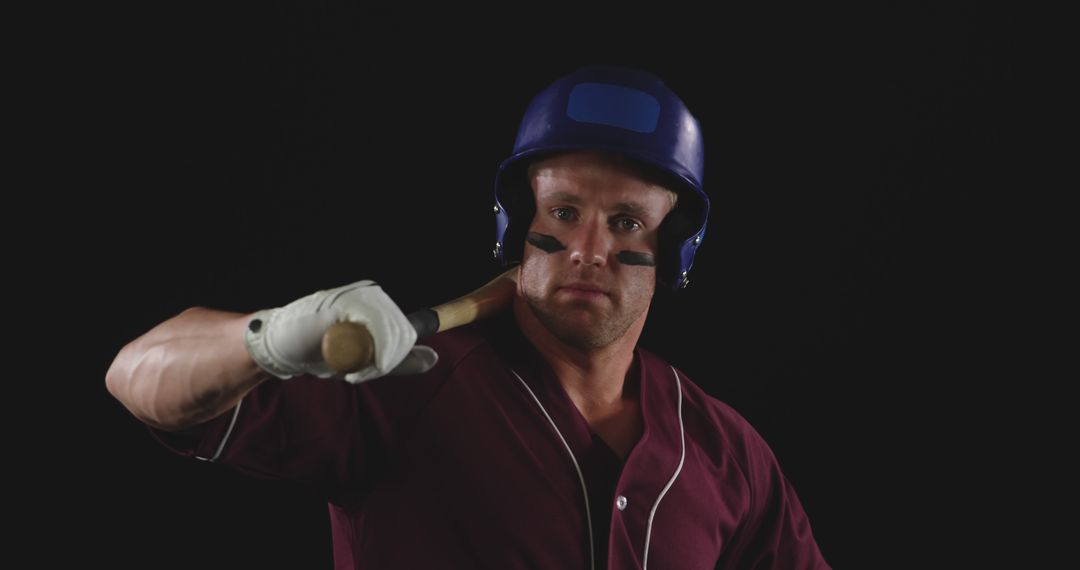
x=623, y=111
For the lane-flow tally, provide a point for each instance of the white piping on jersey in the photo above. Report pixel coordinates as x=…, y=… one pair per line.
x=682, y=457
x=581, y=478
x=228, y=432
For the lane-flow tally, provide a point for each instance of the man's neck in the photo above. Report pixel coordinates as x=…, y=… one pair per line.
x=594, y=378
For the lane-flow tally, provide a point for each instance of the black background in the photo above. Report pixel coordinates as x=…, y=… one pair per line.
x=244, y=157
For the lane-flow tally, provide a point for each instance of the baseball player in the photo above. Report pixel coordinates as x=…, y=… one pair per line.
x=541, y=437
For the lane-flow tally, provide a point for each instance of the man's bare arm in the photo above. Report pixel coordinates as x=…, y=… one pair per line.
x=186, y=370
x=199, y=364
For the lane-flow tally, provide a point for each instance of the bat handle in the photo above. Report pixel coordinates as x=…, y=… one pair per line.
x=348, y=346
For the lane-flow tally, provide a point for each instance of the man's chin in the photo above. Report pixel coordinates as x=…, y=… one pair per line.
x=582, y=329
x=580, y=339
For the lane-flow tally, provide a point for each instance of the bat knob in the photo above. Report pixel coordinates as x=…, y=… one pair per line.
x=348, y=347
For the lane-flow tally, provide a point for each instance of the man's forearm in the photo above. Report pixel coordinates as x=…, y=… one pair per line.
x=185, y=371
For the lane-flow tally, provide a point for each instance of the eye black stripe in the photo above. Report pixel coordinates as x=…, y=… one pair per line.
x=636, y=258
x=544, y=242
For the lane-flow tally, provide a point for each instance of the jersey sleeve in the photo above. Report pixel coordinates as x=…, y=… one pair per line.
x=329, y=434
x=776, y=533
x=340, y=437
x=301, y=429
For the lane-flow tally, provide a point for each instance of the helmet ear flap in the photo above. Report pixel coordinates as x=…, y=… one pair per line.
x=680, y=225
x=676, y=228
x=520, y=205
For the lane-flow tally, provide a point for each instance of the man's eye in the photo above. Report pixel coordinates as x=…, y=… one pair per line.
x=562, y=213
x=627, y=224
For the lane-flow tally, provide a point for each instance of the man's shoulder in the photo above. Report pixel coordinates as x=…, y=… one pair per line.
x=691, y=390
x=458, y=342
x=477, y=339
x=725, y=420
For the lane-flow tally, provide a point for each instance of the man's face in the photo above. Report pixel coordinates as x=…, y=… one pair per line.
x=588, y=271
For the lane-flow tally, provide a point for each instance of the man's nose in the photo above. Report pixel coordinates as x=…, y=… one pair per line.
x=591, y=243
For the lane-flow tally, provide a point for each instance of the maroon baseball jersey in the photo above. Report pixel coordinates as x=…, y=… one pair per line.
x=485, y=462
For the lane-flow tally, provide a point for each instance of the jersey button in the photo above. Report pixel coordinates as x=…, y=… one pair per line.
x=620, y=502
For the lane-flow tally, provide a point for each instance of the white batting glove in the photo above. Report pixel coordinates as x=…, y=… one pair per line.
x=287, y=341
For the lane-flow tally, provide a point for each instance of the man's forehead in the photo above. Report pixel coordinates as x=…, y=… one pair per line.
x=568, y=176
x=584, y=164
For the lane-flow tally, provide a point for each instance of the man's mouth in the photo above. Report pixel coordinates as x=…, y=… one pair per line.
x=584, y=290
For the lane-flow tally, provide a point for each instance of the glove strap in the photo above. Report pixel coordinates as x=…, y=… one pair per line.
x=258, y=346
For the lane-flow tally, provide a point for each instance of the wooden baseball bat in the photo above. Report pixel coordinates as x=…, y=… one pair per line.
x=348, y=346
